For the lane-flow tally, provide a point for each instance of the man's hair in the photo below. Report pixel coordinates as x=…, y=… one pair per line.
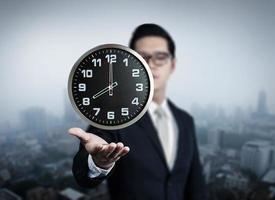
x=152, y=30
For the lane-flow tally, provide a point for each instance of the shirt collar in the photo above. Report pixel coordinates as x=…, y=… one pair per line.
x=153, y=106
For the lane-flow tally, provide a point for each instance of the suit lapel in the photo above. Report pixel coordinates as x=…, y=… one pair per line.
x=181, y=131
x=146, y=123
x=184, y=144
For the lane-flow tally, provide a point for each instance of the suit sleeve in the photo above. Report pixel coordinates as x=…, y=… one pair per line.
x=195, y=189
x=80, y=162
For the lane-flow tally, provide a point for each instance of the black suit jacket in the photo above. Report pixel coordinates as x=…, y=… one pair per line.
x=143, y=173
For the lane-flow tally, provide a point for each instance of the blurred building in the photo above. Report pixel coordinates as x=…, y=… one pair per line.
x=207, y=171
x=4, y=176
x=34, y=119
x=269, y=177
x=262, y=103
x=236, y=181
x=256, y=156
x=41, y=193
x=71, y=194
x=262, y=115
x=215, y=138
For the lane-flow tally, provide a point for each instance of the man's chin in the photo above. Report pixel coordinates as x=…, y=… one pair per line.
x=157, y=89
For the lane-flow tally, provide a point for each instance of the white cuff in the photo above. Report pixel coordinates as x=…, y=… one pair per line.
x=95, y=171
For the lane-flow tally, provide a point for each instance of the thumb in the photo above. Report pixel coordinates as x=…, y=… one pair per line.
x=80, y=134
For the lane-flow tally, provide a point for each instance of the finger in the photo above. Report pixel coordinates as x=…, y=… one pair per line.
x=100, y=152
x=117, y=151
x=108, y=149
x=115, y=159
x=112, y=148
x=98, y=148
x=123, y=152
x=81, y=134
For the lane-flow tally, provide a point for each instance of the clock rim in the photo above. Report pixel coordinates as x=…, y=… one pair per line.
x=151, y=90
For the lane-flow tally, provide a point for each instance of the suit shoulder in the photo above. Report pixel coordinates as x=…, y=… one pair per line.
x=181, y=111
x=186, y=114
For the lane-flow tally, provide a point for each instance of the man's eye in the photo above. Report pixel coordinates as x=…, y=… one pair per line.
x=161, y=57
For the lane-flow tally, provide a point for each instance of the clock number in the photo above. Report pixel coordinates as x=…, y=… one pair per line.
x=124, y=111
x=82, y=87
x=111, y=58
x=110, y=115
x=86, y=101
x=126, y=62
x=135, y=72
x=96, y=62
x=139, y=87
x=87, y=73
x=135, y=101
x=96, y=111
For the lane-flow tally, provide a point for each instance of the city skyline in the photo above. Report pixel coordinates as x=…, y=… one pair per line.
x=25, y=118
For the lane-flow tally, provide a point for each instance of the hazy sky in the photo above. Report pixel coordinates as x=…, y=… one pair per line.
x=225, y=49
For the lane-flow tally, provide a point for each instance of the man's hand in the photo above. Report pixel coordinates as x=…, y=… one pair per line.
x=104, y=155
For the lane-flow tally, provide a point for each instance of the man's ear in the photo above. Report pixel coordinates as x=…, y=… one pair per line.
x=173, y=65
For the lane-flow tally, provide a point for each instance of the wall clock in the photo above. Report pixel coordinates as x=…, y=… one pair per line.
x=110, y=86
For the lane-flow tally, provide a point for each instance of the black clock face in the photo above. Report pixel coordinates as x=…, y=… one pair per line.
x=111, y=86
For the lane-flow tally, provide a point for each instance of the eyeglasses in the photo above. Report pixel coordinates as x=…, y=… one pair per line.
x=158, y=58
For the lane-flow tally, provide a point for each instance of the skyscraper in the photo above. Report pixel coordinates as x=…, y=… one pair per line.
x=255, y=156
x=262, y=103
x=215, y=138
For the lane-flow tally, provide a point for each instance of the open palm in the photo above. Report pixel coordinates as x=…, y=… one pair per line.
x=104, y=154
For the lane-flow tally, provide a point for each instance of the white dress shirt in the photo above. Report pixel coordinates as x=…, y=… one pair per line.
x=172, y=127
x=95, y=171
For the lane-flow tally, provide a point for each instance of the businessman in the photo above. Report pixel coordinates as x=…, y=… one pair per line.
x=163, y=163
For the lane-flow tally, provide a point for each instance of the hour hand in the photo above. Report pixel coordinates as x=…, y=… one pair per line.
x=106, y=89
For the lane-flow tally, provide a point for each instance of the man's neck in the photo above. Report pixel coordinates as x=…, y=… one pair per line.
x=159, y=96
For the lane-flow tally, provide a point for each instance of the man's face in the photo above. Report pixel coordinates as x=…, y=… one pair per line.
x=155, y=51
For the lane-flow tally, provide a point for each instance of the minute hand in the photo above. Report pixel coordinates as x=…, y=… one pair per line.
x=111, y=78
x=106, y=89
